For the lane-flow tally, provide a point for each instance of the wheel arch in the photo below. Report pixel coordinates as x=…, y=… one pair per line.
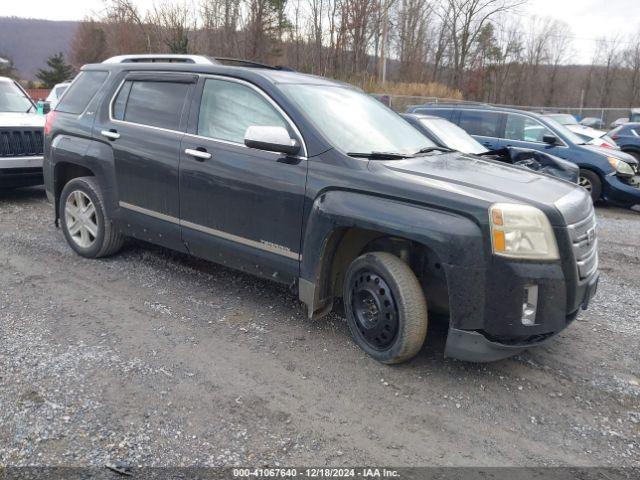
x=343, y=225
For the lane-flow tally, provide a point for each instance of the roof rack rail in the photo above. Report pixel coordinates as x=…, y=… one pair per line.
x=161, y=58
x=240, y=62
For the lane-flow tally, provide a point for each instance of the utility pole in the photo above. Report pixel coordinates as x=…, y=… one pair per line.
x=385, y=33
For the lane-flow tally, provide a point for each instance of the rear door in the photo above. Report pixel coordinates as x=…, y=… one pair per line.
x=240, y=206
x=485, y=126
x=147, y=120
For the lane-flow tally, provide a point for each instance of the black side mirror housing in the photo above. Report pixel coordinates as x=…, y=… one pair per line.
x=550, y=139
x=46, y=107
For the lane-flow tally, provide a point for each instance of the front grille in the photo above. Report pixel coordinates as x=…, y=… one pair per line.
x=20, y=142
x=585, y=245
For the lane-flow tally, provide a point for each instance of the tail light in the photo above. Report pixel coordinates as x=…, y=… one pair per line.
x=48, y=122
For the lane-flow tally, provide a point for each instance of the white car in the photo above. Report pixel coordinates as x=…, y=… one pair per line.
x=21, y=137
x=56, y=92
x=591, y=136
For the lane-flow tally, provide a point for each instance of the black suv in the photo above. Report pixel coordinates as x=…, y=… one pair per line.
x=314, y=184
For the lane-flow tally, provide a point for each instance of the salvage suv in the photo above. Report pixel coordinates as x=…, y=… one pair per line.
x=312, y=183
x=21, y=137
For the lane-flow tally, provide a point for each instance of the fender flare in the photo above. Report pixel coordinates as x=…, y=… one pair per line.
x=455, y=240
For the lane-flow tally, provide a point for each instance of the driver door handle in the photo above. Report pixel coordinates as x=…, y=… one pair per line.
x=110, y=134
x=198, y=154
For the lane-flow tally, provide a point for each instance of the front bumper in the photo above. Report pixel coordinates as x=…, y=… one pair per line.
x=616, y=190
x=20, y=172
x=475, y=346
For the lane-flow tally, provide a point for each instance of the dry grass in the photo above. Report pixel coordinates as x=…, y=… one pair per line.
x=431, y=89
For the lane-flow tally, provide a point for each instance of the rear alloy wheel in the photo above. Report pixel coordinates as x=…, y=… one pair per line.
x=80, y=218
x=84, y=219
x=590, y=181
x=385, y=307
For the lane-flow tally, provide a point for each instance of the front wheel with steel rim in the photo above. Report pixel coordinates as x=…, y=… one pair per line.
x=590, y=181
x=385, y=307
x=85, y=222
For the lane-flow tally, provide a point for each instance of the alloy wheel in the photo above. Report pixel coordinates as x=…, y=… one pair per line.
x=585, y=183
x=81, y=219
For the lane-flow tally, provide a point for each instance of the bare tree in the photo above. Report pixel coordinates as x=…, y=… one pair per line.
x=89, y=44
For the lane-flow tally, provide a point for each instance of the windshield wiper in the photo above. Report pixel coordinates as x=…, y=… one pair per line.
x=378, y=155
x=434, y=149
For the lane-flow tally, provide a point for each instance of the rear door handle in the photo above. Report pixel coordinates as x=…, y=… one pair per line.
x=198, y=154
x=111, y=134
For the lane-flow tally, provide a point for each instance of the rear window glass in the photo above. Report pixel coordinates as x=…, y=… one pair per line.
x=484, y=124
x=82, y=91
x=157, y=104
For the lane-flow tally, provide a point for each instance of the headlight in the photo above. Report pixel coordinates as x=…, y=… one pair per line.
x=620, y=166
x=521, y=231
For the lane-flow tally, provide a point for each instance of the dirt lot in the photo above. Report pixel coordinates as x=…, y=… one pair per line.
x=154, y=358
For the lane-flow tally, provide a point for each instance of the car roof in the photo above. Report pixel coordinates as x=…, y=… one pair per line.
x=270, y=74
x=5, y=79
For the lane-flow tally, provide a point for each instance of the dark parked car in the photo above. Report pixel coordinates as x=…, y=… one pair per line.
x=627, y=137
x=608, y=174
x=314, y=184
x=447, y=135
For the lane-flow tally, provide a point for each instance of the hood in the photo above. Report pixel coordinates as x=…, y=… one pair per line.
x=584, y=130
x=13, y=119
x=610, y=152
x=477, y=178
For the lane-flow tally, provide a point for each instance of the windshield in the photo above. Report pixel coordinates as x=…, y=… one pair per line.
x=453, y=136
x=355, y=122
x=12, y=99
x=568, y=134
x=564, y=119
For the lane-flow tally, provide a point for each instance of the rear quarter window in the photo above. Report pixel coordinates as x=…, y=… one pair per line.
x=81, y=91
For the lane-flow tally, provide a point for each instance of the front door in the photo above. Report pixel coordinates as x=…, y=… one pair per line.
x=240, y=206
x=526, y=132
x=147, y=120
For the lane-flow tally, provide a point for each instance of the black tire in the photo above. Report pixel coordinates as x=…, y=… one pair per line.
x=395, y=332
x=107, y=240
x=591, y=182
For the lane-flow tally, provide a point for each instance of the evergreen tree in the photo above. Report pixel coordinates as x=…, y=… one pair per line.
x=59, y=71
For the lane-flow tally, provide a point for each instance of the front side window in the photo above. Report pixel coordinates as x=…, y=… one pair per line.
x=229, y=108
x=81, y=92
x=13, y=99
x=483, y=124
x=355, y=122
x=525, y=129
x=157, y=104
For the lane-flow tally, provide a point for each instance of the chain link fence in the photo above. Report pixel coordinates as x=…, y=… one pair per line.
x=607, y=116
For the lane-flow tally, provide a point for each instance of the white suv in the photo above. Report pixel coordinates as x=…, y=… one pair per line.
x=21, y=137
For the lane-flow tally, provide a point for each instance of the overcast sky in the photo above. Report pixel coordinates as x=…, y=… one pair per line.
x=588, y=19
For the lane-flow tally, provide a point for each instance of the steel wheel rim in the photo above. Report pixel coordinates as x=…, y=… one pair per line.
x=374, y=309
x=81, y=219
x=585, y=183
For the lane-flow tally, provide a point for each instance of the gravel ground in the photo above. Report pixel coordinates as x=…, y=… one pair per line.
x=156, y=359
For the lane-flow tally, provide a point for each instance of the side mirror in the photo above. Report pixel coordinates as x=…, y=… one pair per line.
x=272, y=139
x=46, y=107
x=550, y=139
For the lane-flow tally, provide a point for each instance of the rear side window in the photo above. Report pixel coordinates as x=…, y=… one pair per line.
x=437, y=112
x=484, y=124
x=229, y=108
x=82, y=91
x=157, y=104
